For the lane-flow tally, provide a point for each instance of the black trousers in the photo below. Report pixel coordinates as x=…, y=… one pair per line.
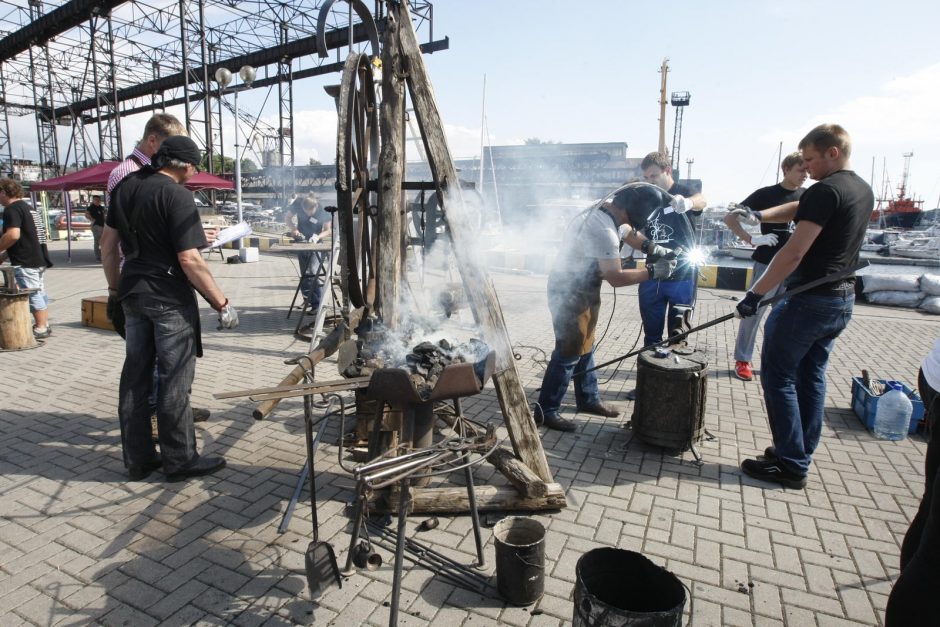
x=913, y=599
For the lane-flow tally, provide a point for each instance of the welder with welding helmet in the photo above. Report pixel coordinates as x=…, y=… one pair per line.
x=590, y=255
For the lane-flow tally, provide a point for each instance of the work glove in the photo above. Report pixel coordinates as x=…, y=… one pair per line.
x=655, y=251
x=662, y=268
x=745, y=215
x=681, y=204
x=115, y=313
x=764, y=240
x=748, y=305
x=228, y=317
x=313, y=239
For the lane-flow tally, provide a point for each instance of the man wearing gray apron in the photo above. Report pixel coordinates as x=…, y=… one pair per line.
x=590, y=254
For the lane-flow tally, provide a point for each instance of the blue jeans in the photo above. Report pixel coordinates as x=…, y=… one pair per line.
x=558, y=375
x=165, y=333
x=655, y=297
x=798, y=337
x=311, y=287
x=747, y=330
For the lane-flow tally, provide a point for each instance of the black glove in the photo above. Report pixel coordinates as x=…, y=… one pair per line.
x=748, y=306
x=116, y=314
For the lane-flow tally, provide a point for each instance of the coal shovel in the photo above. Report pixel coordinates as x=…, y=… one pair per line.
x=320, y=559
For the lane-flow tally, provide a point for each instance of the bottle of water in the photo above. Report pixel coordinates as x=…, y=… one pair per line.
x=893, y=416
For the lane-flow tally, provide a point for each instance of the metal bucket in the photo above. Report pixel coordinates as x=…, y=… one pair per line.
x=520, y=559
x=619, y=588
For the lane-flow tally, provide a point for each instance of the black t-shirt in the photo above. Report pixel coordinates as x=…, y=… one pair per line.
x=765, y=198
x=671, y=229
x=309, y=225
x=97, y=214
x=27, y=251
x=841, y=204
x=156, y=218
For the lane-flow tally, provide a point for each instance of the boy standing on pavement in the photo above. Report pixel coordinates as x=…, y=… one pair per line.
x=831, y=218
x=23, y=237
x=772, y=238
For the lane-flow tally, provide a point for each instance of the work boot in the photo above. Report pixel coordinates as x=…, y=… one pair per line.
x=202, y=466
x=599, y=409
x=556, y=422
x=551, y=420
x=773, y=471
x=742, y=370
x=201, y=414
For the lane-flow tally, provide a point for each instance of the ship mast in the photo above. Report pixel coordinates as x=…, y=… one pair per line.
x=907, y=170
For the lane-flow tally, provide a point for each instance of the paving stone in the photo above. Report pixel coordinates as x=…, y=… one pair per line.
x=79, y=544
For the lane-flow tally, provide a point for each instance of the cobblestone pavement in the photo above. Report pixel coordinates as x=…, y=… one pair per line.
x=79, y=544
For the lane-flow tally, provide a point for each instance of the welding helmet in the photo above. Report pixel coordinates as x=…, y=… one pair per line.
x=640, y=200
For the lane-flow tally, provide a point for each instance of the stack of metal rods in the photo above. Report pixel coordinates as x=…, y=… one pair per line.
x=456, y=573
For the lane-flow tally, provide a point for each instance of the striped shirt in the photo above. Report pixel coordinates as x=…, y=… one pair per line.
x=128, y=166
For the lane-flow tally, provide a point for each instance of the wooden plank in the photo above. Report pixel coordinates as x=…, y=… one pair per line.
x=454, y=500
x=391, y=174
x=482, y=296
x=526, y=482
x=302, y=389
x=324, y=349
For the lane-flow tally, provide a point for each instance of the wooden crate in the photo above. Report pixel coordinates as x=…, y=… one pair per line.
x=95, y=313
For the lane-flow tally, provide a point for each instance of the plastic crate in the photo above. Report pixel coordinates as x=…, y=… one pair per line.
x=865, y=404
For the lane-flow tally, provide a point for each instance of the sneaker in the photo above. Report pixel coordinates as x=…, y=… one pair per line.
x=773, y=471
x=200, y=414
x=742, y=370
x=41, y=334
x=599, y=409
x=770, y=453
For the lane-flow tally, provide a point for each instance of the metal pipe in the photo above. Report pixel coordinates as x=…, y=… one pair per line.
x=412, y=468
x=399, y=552
x=359, y=471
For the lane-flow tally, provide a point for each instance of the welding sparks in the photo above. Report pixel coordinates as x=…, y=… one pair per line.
x=696, y=256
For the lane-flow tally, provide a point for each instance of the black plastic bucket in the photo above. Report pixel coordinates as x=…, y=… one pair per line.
x=618, y=588
x=520, y=559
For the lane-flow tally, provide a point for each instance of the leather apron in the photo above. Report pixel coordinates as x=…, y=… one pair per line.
x=574, y=300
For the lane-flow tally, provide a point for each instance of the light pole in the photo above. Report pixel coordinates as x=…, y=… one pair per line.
x=224, y=77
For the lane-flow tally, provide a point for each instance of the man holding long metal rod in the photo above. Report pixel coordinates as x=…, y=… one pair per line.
x=831, y=218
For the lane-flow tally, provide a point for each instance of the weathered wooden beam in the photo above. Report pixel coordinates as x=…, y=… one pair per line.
x=391, y=175
x=454, y=500
x=526, y=482
x=480, y=292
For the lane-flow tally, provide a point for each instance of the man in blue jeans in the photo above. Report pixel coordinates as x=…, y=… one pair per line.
x=590, y=255
x=831, y=218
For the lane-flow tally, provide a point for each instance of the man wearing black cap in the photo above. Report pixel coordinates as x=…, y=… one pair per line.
x=590, y=255
x=156, y=222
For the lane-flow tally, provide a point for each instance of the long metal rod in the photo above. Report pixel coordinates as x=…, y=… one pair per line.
x=829, y=278
x=399, y=551
x=471, y=492
x=427, y=552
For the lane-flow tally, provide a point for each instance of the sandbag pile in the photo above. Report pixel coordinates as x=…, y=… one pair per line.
x=903, y=290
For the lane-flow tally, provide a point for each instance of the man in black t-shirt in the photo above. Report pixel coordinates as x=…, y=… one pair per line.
x=155, y=221
x=831, y=218
x=671, y=227
x=24, y=235
x=95, y=213
x=772, y=238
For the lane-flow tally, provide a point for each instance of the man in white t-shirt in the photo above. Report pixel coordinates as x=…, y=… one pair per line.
x=589, y=256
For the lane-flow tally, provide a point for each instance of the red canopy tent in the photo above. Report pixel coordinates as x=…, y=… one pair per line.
x=96, y=177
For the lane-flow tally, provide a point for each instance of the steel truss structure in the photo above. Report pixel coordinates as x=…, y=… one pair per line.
x=86, y=64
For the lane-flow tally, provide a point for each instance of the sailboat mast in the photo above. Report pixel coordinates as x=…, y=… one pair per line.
x=482, y=132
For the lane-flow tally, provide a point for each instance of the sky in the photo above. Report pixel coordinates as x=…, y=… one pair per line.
x=759, y=73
